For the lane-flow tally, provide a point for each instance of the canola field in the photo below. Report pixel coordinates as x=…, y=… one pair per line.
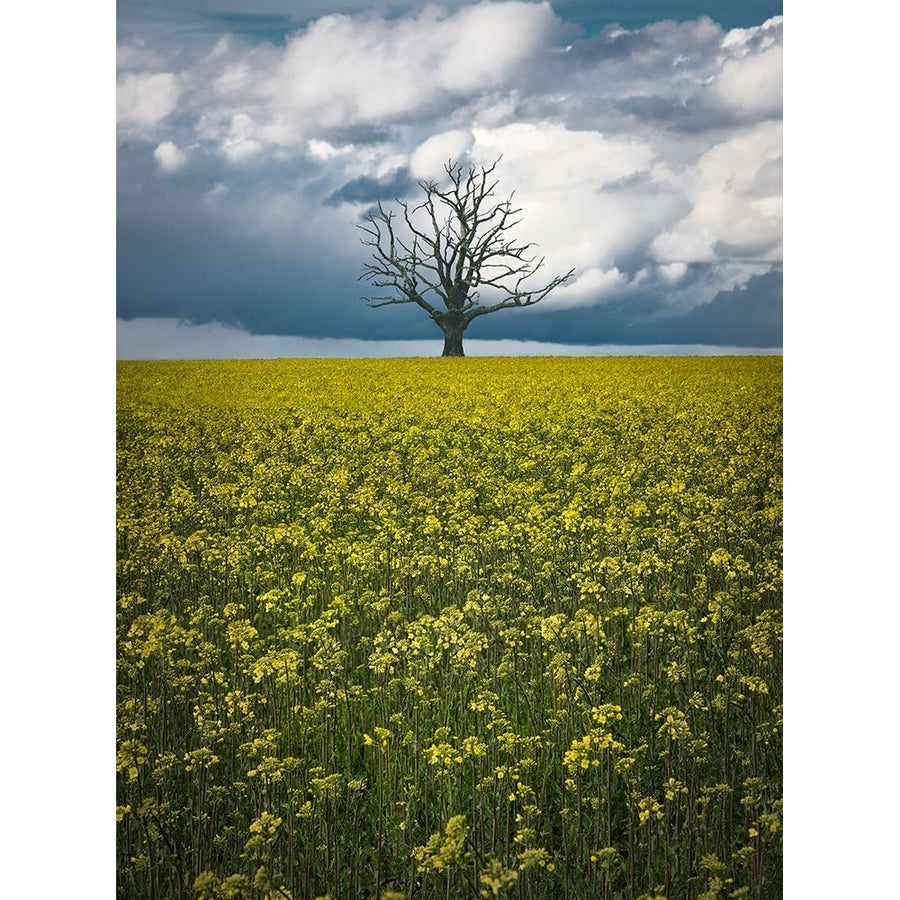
x=449, y=628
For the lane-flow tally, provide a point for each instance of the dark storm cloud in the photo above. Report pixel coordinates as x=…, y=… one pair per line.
x=749, y=316
x=371, y=190
x=158, y=277
x=356, y=133
x=690, y=115
x=157, y=274
x=191, y=251
x=752, y=250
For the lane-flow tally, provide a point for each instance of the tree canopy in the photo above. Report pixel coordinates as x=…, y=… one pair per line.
x=452, y=254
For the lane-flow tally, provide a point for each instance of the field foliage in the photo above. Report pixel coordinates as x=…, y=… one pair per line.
x=449, y=628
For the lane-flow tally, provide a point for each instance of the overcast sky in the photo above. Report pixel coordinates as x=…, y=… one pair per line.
x=643, y=141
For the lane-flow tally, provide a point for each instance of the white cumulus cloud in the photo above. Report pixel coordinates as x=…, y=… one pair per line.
x=735, y=204
x=590, y=287
x=343, y=70
x=145, y=99
x=430, y=157
x=240, y=144
x=169, y=158
x=751, y=83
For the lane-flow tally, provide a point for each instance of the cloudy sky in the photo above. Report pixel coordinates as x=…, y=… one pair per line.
x=643, y=141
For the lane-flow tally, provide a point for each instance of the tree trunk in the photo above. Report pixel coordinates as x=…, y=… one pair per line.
x=453, y=336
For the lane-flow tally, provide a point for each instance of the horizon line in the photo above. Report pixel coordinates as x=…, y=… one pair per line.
x=148, y=339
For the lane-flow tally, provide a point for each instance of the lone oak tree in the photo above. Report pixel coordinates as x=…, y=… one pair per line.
x=451, y=246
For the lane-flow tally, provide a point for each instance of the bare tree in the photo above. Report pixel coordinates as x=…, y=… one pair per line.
x=443, y=252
